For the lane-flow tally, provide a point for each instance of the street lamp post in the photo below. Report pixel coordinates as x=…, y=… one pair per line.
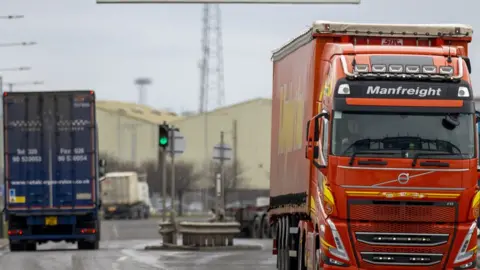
x=11, y=17
x=10, y=85
x=15, y=69
x=13, y=44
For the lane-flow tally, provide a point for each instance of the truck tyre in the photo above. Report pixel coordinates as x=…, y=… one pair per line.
x=14, y=247
x=293, y=241
x=256, y=228
x=286, y=244
x=30, y=246
x=265, y=229
x=84, y=245
x=280, y=245
x=301, y=253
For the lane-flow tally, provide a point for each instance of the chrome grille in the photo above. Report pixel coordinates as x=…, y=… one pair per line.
x=402, y=239
x=405, y=259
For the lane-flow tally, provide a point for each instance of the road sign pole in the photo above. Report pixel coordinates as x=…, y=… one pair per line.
x=220, y=177
x=222, y=153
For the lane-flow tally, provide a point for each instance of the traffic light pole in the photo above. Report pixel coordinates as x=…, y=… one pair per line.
x=172, y=164
x=162, y=159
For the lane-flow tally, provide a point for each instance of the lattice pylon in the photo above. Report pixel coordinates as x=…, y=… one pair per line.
x=212, y=86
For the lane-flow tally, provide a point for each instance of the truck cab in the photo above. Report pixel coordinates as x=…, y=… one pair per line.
x=394, y=149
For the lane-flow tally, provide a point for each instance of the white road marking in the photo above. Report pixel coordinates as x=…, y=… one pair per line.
x=208, y=258
x=121, y=259
x=115, y=266
x=144, y=259
x=270, y=261
x=115, y=231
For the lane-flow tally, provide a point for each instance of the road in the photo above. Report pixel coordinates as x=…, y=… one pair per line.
x=122, y=249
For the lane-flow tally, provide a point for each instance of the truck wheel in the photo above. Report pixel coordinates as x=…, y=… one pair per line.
x=265, y=231
x=255, y=228
x=301, y=253
x=279, y=242
x=14, y=247
x=31, y=246
x=84, y=245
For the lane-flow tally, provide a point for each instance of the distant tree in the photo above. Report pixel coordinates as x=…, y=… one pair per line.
x=113, y=164
x=185, y=179
x=232, y=173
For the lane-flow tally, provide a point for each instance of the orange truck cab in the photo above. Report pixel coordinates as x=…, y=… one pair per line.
x=374, y=148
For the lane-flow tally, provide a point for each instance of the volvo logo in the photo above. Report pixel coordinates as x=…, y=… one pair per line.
x=403, y=178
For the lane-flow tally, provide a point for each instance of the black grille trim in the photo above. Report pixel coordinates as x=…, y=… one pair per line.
x=402, y=259
x=402, y=239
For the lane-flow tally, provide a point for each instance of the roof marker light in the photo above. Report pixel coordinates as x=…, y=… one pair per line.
x=395, y=68
x=361, y=68
x=412, y=69
x=429, y=69
x=379, y=68
x=448, y=70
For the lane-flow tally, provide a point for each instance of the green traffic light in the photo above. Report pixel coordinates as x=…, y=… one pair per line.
x=163, y=140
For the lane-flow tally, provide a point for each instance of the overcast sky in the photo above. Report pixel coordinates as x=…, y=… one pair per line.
x=83, y=45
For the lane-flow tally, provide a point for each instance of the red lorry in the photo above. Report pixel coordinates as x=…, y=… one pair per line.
x=374, y=148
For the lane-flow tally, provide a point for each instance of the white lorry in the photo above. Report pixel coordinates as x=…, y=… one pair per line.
x=125, y=195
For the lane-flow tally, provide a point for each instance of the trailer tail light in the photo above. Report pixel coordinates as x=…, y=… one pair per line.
x=467, y=251
x=15, y=232
x=88, y=231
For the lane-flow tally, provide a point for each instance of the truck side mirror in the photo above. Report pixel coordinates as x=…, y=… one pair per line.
x=312, y=150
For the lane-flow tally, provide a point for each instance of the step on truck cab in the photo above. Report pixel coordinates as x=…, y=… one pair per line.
x=374, y=149
x=51, y=168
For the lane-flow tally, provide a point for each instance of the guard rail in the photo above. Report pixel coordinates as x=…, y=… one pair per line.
x=200, y=234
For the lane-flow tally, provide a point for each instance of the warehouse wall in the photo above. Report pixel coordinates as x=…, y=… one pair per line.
x=129, y=131
x=125, y=138
x=253, y=138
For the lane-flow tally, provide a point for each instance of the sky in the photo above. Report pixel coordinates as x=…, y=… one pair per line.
x=84, y=45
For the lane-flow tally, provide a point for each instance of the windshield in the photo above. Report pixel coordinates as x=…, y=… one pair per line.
x=404, y=135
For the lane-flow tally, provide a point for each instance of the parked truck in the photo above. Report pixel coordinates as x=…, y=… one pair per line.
x=51, y=168
x=252, y=217
x=123, y=196
x=373, y=149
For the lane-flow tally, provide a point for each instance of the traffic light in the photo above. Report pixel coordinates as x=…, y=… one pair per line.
x=163, y=131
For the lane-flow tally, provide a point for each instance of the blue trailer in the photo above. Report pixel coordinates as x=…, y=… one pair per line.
x=51, y=169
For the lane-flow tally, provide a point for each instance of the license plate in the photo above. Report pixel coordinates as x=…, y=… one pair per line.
x=51, y=221
x=111, y=209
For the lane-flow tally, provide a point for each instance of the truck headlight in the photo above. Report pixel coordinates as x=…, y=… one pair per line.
x=474, y=211
x=339, y=249
x=465, y=254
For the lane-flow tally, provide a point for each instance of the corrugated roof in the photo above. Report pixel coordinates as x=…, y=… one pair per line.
x=151, y=115
x=222, y=110
x=137, y=111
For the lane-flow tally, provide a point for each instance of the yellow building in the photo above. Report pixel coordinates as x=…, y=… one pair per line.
x=129, y=131
x=253, y=126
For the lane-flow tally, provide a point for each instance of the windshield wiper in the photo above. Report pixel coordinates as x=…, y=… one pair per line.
x=355, y=153
x=417, y=155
